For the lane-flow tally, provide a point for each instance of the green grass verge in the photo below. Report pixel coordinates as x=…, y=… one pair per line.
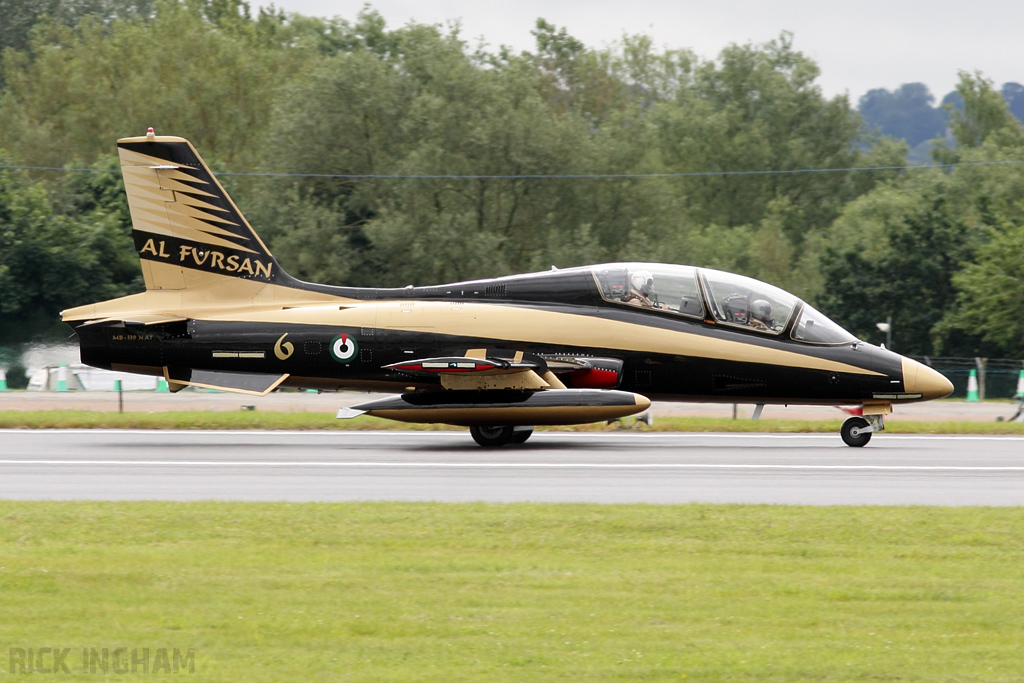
x=84, y=419
x=441, y=592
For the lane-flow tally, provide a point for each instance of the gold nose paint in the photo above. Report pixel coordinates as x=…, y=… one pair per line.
x=921, y=379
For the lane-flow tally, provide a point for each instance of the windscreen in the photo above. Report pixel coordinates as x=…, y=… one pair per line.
x=813, y=326
x=746, y=302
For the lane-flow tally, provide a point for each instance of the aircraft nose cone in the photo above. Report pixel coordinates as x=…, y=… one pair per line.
x=921, y=379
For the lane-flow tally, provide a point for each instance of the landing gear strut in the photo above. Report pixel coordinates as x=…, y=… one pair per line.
x=857, y=431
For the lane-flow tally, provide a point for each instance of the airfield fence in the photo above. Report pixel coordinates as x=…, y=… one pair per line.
x=997, y=377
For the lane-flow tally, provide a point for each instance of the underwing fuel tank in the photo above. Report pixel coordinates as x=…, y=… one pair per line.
x=504, y=407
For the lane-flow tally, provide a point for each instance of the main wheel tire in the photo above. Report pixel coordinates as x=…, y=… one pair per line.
x=521, y=435
x=492, y=437
x=853, y=432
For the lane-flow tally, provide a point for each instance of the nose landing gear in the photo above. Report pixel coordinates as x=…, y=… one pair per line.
x=857, y=431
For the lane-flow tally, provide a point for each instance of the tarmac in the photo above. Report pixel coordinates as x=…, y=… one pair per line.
x=619, y=466
x=947, y=410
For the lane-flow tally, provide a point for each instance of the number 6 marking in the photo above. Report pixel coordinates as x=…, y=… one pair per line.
x=283, y=351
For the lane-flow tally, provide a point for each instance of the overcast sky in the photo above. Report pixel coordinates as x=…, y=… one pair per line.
x=858, y=45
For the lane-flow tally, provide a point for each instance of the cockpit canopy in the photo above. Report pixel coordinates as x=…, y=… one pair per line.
x=733, y=300
x=651, y=285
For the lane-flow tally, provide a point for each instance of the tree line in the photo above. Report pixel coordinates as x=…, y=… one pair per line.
x=909, y=112
x=643, y=153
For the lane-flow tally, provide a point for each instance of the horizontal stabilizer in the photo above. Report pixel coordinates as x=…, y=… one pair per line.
x=239, y=382
x=147, y=320
x=140, y=320
x=504, y=407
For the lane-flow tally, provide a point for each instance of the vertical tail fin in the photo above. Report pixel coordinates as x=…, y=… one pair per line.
x=187, y=231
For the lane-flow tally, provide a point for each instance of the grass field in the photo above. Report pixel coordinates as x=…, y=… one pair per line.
x=431, y=592
x=84, y=419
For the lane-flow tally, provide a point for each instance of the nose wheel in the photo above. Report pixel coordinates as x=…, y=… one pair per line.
x=857, y=431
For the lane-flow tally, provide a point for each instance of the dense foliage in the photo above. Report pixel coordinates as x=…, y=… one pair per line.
x=298, y=95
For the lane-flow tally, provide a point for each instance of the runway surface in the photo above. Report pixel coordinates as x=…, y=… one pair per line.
x=610, y=467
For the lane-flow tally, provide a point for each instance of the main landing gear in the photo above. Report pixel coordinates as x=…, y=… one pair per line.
x=857, y=431
x=497, y=436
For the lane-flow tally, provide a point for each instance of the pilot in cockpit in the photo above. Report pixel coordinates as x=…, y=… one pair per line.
x=761, y=315
x=641, y=289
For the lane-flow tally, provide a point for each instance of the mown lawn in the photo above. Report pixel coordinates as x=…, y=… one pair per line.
x=443, y=592
x=86, y=419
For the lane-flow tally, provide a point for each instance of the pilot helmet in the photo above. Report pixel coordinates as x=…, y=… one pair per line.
x=761, y=309
x=642, y=281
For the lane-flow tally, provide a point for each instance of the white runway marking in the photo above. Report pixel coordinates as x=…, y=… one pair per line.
x=511, y=465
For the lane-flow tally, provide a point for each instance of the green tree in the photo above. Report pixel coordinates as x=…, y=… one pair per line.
x=907, y=275
x=22, y=16
x=425, y=108
x=50, y=260
x=908, y=247
x=302, y=96
x=575, y=78
x=983, y=117
x=990, y=289
x=897, y=250
x=78, y=89
x=758, y=109
x=414, y=101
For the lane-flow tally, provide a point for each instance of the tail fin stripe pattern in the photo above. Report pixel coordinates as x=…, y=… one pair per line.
x=171, y=179
x=185, y=221
x=189, y=200
x=174, y=183
x=188, y=221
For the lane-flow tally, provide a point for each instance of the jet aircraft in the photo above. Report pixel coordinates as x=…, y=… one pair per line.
x=499, y=356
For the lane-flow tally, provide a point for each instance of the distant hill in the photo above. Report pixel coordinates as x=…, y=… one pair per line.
x=910, y=112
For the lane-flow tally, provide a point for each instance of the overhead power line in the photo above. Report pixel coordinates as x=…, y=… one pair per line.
x=546, y=176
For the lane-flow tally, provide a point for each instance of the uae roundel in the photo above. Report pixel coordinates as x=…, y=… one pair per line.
x=344, y=348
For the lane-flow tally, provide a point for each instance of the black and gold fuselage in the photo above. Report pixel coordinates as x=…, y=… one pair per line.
x=554, y=314
x=557, y=347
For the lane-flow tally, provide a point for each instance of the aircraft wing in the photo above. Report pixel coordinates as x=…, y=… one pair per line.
x=462, y=364
x=479, y=369
x=487, y=388
x=471, y=373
